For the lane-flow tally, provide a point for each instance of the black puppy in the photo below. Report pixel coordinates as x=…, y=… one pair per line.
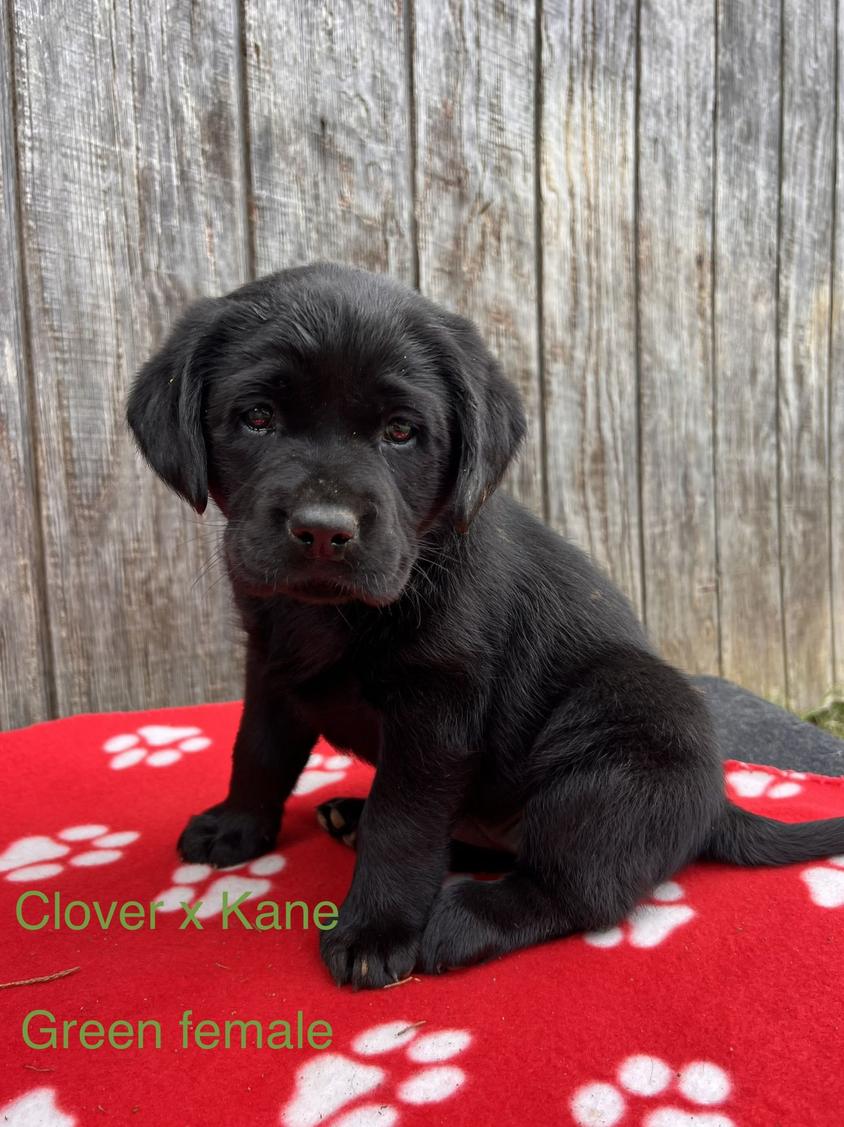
x=353, y=434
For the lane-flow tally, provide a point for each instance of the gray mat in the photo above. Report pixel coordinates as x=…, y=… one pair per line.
x=756, y=731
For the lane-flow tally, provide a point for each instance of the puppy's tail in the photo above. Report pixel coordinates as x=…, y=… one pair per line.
x=742, y=838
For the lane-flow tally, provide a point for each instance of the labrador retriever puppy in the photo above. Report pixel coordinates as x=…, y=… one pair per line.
x=353, y=435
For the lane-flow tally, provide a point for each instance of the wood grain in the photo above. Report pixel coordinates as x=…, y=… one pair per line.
x=804, y=309
x=648, y=235
x=25, y=682
x=836, y=382
x=329, y=135
x=676, y=150
x=588, y=250
x=746, y=205
x=474, y=81
x=131, y=199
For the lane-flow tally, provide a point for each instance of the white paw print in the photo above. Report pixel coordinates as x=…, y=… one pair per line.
x=826, y=883
x=750, y=783
x=37, y=1108
x=331, y=1081
x=157, y=745
x=642, y=1077
x=234, y=881
x=648, y=924
x=322, y=770
x=36, y=858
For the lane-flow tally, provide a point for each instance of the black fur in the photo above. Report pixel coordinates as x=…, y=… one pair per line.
x=394, y=603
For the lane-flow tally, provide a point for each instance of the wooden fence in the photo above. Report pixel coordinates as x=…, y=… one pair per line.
x=636, y=199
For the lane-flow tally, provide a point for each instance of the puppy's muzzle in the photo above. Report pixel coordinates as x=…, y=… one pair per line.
x=322, y=532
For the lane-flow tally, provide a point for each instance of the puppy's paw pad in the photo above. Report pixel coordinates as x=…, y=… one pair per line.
x=223, y=837
x=339, y=817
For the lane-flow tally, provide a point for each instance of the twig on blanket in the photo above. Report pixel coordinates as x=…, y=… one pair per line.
x=408, y=1028
x=400, y=982
x=43, y=978
x=222, y=966
x=35, y=1068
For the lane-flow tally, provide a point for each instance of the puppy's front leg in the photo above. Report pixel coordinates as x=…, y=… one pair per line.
x=402, y=854
x=271, y=748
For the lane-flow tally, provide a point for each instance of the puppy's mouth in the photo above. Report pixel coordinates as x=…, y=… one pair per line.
x=324, y=583
x=320, y=592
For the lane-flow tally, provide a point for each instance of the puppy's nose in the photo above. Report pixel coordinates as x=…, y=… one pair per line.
x=323, y=531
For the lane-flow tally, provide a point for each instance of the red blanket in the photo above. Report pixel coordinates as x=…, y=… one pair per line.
x=717, y=1003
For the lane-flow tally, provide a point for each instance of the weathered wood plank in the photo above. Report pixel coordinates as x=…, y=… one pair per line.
x=804, y=309
x=24, y=669
x=475, y=83
x=836, y=383
x=132, y=201
x=588, y=255
x=747, y=189
x=676, y=148
x=329, y=134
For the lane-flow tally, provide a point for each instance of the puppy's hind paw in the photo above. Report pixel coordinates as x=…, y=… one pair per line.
x=223, y=836
x=339, y=817
x=459, y=931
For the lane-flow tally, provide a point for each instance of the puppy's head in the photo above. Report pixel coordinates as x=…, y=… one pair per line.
x=337, y=418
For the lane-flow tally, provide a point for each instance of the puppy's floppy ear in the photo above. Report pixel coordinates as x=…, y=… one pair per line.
x=489, y=416
x=164, y=410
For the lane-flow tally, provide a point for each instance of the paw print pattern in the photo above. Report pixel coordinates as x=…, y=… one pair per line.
x=642, y=1078
x=156, y=745
x=826, y=883
x=322, y=770
x=328, y=1083
x=648, y=924
x=750, y=783
x=37, y=858
x=36, y=1108
x=188, y=881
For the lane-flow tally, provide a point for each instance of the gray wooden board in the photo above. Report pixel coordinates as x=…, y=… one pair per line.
x=24, y=676
x=329, y=135
x=588, y=253
x=474, y=83
x=132, y=202
x=158, y=163
x=836, y=383
x=747, y=191
x=804, y=309
x=676, y=147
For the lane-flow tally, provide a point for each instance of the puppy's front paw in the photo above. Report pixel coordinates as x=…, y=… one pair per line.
x=369, y=955
x=224, y=836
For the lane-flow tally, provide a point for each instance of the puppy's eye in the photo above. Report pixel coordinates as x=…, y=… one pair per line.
x=259, y=417
x=399, y=431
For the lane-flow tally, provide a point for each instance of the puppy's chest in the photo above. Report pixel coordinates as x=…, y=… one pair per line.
x=338, y=703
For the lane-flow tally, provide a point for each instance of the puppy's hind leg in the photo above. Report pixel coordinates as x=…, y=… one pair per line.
x=339, y=817
x=626, y=788
x=574, y=872
x=594, y=844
